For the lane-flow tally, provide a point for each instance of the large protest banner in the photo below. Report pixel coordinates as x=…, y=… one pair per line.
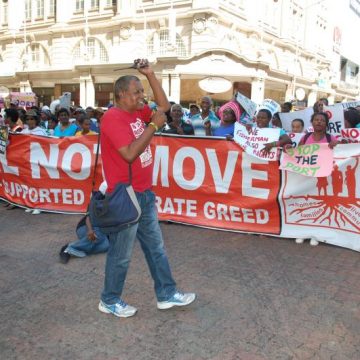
x=215, y=184
x=200, y=181
x=49, y=173
x=327, y=208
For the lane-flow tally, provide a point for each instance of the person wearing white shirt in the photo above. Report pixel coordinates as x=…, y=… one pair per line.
x=33, y=121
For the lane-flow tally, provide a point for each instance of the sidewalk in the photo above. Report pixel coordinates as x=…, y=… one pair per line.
x=258, y=298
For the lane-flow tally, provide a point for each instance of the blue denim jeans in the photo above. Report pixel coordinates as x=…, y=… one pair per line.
x=148, y=232
x=83, y=246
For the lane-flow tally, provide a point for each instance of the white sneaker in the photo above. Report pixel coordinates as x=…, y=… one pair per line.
x=314, y=242
x=120, y=309
x=299, y=240
x=36, y=212
x=28, y=210
x=178, y=299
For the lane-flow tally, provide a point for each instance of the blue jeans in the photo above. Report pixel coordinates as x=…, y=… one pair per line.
x=148, y=232
x=84, y=246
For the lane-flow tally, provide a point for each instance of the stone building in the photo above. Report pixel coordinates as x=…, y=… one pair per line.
x=279, y=49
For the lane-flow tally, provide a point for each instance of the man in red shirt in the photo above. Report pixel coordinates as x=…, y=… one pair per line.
x=125, y=139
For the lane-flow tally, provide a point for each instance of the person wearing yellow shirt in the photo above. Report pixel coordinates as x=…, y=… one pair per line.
x=85, y=123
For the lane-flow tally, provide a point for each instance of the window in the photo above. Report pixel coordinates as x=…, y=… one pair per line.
x=4, y=17
x=51, y=8
x=39, y=9
x=35, y=56
x=110, y=3
x=94, y=51
x=94, y=4
x=28, y=9
x=163, y=47
x=79, y=5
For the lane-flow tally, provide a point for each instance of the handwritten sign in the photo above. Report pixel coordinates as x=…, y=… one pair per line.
x=351, y=135
x=4, y=135
x=336, y=119
x=270, y=105
x=314, y=160
x=248, y=105
x=253, y=141
x=26, y=99
x=295, y=138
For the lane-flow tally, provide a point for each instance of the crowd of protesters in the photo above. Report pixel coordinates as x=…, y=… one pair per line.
x=202, y=119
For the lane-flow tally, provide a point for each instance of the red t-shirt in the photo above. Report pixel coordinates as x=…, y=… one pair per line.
x=120, y=128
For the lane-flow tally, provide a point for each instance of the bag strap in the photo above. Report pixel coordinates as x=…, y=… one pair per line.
x=96, y=162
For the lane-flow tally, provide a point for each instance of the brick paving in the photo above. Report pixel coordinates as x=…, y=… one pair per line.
x=258, y=298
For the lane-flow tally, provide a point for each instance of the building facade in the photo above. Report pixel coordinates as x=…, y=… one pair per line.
x=278, y=49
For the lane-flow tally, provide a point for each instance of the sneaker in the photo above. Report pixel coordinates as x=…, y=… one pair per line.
x=36, y=212
x=314, y=242
x=299, y=241
x=178, y=299
x=28, y=210
x=120, y=309
x=64, y=256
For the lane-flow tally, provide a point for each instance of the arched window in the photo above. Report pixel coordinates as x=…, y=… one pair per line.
x=35, y=56
x=160, y=44
x=94, y=52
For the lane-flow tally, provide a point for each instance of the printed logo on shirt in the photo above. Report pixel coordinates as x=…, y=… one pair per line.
x=138, y=128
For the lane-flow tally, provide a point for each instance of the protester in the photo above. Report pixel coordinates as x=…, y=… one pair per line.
x=351, y=119
x=276, y=121
x=319, y=105
x=177, y=125
x=11, y=119
x=90, y=239
x=64, y=128
x=45, y=117
x=125, y=140
x=263, y=118
x=194, y=110
x=198, y=121
x=99, y=112
x=319, y=122
x=90, y=112
x=52, y=124
x=85, y=124
x=297, y=126
x=33, y=122
x=227, y=125
x=286, y=107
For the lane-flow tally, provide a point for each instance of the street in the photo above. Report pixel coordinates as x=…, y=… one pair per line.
x=259, y=297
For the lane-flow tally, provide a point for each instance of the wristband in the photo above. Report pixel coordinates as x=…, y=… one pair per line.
x=154, y=126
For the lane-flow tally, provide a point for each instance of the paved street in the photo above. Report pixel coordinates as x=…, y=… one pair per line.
x=258, y=298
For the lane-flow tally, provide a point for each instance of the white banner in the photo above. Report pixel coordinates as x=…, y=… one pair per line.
x=248, y=105
x=330, y=204
x=253, y=141
x=270, y=105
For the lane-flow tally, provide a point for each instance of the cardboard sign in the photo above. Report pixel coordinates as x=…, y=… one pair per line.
x=25, y=100
x=295, y=138
x=248, y=105
x=4, y=135
x=351, y=135
x=253, y=141
x=336, y=119
x=304, y=115
x=270, y=105
x=314, y=160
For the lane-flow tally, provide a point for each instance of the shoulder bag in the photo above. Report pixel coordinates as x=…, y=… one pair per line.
x=113, y=211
